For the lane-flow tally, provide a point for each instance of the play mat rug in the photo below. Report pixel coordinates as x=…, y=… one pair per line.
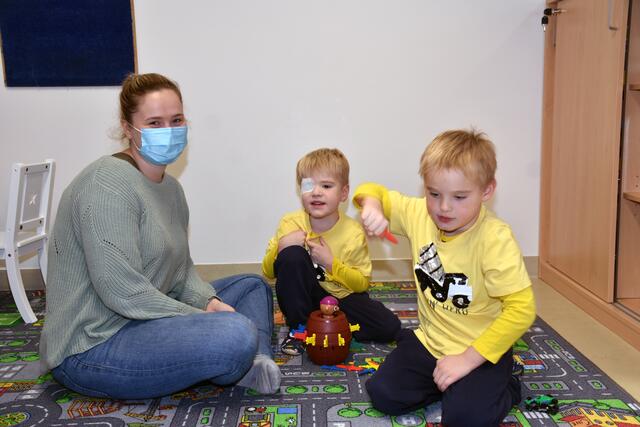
x=581, y=395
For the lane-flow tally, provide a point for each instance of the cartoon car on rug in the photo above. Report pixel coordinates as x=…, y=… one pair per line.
x=542, y=403
x=255, y=417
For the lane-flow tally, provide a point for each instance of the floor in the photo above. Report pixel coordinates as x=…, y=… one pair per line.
x=309, y=395
x=632, y=304
x=610, y=353
x=613, y=355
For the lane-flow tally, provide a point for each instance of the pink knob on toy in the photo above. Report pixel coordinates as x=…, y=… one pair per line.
x=328, y=306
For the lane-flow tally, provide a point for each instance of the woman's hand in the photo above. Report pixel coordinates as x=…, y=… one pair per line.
x=295, y=238
x=216, y=305
x=320, y=253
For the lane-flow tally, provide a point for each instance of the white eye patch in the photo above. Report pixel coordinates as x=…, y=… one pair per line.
x=306, y=185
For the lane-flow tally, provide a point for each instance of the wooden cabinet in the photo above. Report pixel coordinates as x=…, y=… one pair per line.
x=628, y=255
x=590, y=189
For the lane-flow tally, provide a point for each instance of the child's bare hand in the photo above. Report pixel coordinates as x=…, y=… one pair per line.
x=320, y=253
x=372, y=217
x=450, y=369
x=295, y=238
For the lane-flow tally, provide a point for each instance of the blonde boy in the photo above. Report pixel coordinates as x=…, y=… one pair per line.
x=318, y=251
x=474, y=294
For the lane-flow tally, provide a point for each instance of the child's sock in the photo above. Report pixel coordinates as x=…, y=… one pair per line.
x=264, y=376
x=290, y=345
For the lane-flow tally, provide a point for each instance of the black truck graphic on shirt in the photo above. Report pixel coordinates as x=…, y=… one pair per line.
x=442, y=285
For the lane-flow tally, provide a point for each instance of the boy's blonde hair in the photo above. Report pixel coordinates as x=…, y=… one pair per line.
x=330, y=160
x=469, y=151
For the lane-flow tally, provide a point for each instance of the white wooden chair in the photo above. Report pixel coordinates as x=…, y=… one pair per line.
x=27, y=226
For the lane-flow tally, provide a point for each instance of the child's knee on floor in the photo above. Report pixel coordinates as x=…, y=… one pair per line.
x=385, y=332
x=390, y=329
x=383, y=396
x=464, y=416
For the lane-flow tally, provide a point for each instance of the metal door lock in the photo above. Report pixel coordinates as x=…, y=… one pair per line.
x=547, y=13
x=551, y=11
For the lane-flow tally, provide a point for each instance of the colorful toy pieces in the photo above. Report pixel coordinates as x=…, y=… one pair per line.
x=361, y=370
x=328, y=334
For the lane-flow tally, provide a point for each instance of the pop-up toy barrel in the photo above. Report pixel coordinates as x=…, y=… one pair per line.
x=328, y=339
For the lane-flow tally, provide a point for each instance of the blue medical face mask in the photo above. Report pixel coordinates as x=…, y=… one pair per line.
x=162, y=146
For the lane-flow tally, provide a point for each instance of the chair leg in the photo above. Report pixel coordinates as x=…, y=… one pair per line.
x=42, y=261
x=17, y=289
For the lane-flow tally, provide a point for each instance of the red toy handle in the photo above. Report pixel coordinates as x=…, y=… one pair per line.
x=390, y=237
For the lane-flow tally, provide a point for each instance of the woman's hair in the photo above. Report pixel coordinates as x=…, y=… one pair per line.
x=469, y=151
x=135, y=86
x=328, y=160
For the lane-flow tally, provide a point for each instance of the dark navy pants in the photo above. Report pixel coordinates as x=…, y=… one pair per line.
x=404, y=383
x=299, y=293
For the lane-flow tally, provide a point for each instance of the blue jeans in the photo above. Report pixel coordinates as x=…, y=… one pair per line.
x=152, y=358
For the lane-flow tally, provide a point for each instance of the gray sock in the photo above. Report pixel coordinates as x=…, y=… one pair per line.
x=263, y=376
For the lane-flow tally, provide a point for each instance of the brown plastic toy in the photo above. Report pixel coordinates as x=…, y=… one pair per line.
x=328, y=334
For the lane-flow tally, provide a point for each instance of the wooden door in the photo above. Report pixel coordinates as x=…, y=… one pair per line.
x=583, y=156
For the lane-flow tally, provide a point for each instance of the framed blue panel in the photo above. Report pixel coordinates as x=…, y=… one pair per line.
x=67, y=42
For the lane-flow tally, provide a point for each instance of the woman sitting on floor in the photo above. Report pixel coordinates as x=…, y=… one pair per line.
x=127, y=315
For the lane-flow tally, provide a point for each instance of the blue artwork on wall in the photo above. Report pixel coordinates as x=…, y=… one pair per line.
x=67, y=42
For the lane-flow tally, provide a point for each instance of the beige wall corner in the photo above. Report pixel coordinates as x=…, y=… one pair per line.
x=31, y=278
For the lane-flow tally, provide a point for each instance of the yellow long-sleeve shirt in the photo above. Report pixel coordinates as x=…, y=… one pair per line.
x=482, y=298
x=351, y=268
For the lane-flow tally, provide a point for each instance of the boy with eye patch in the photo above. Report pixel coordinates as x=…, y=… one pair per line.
x=318, y=251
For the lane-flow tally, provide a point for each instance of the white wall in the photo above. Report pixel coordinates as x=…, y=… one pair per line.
x=266, y=81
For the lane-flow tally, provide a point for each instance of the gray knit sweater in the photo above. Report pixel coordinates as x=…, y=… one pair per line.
x=118, y=251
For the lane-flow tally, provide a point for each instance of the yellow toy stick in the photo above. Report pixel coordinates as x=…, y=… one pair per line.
x=311, y=340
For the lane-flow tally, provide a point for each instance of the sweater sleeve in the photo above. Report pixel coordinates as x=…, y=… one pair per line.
x=110, y=234
x=518, y=313
x=193, y=290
